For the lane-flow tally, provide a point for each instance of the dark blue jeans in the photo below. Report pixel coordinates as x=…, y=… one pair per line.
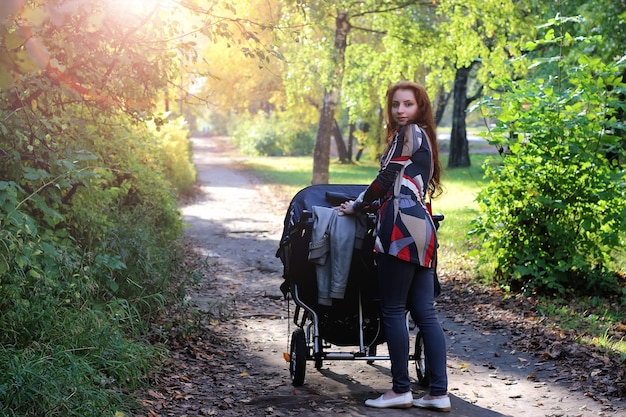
x=405, y=285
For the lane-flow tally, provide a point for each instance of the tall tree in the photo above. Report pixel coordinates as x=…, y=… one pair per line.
x=421, y=41
x=332, y=93
x=459, y=149
x=330, y=61
x=476, y=39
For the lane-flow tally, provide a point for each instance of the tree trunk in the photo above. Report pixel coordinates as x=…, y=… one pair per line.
x=342, y=151
x=440, y=105
x=351, y=131
x=459, y=148
x=332, y=93
x=616, y=155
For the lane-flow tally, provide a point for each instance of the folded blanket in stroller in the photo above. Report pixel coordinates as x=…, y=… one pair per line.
x=333, y=239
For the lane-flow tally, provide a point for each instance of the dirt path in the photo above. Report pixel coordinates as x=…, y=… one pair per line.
x=229, y=361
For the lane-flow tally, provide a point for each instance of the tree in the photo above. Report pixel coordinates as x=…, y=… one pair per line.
x=476, y=39
x=371, y=21
x=422, y=41
x=232, y=62
x=321, y=154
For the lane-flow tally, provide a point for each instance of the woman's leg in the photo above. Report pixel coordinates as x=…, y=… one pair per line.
x=395, y=278
x=421, y=303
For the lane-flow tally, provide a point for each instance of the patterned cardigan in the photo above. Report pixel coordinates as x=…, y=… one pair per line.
x=404, y=227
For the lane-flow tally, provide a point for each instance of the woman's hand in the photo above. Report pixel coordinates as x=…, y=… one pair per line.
x=346, y=207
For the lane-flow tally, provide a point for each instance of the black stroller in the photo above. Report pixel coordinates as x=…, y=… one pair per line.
x=351, y=321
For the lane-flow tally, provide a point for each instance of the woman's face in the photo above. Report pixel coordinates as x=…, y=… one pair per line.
x=403, y=107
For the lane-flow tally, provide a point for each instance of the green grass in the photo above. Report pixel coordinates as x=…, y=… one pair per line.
x=457, y=203
x=82, y=365
x=598, y=323
x=294, y=173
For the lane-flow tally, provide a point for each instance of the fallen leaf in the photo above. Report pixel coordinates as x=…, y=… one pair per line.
x=155, y=394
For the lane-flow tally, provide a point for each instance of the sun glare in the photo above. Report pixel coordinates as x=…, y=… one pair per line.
x=133, y=10
x=125, y=12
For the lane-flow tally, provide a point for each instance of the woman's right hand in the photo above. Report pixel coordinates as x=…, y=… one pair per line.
x=346, y=207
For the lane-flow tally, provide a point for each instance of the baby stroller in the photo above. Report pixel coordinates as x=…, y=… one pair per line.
x=353, y=320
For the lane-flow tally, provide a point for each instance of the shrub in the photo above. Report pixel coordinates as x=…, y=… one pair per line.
x=174, y=150
x=88, y=240
x=62, y=353
x=554, y=210
x=273, y=135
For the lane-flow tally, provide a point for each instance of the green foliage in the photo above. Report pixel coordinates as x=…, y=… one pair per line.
x=85, y=377
x=554, y=210
x=275, y=134
x=77, y=284
x=60, y=354
x=88, y=240
x=174, y=149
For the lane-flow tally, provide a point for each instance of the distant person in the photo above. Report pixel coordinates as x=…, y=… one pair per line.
x=406, y=243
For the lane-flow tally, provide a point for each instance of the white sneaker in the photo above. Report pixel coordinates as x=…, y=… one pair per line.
x=402, y=401
x=437, y=404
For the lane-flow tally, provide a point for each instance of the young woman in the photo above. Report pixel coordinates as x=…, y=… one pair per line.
x=406, y=243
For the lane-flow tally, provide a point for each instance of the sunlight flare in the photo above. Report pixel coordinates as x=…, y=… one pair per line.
x=137, y=9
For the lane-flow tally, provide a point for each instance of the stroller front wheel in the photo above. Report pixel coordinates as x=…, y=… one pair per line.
x=297, y=358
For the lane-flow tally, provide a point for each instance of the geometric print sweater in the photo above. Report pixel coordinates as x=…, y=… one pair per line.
x=404, y=227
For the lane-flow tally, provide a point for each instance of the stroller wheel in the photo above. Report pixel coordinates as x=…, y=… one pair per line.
x=297, y=360
x=421, y=362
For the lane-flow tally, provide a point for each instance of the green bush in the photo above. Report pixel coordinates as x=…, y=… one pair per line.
x=62, y=353
x=88, y=241
x=273, y=135
x=554, y=210
x=127, y=211
x=174, y=150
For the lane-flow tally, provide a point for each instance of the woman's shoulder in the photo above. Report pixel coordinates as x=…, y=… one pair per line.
x=415, y=133
x=415, y=130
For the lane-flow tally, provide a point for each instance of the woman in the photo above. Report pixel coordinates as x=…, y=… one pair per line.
x=406, y=243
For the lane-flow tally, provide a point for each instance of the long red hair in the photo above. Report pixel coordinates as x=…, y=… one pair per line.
x=424, y=119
